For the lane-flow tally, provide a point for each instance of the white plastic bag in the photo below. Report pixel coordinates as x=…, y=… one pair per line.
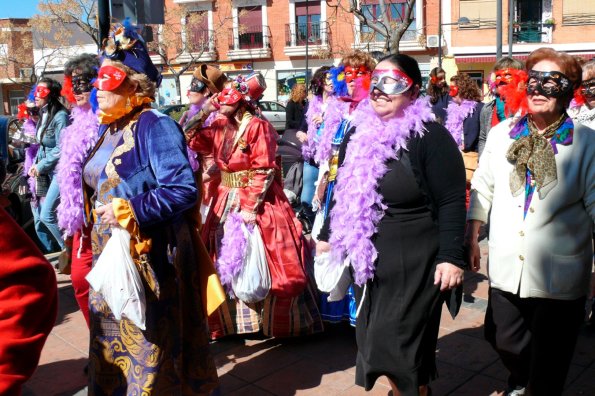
x=254, y=281
x=317, y=225
x=115, y=276
x=332, y=279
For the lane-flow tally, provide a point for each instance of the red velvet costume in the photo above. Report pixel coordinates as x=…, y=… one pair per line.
x=28, y=305
x=252, y=154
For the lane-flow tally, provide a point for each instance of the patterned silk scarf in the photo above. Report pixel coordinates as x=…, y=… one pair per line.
x=535, y=153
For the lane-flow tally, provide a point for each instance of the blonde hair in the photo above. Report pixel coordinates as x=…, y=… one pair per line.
x=359, y=58
x=589, y=70
x=298, y=93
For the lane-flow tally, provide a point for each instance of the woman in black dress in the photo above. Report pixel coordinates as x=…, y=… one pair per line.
x=398, y=220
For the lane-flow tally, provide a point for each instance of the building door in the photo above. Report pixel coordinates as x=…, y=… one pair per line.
x=529, y=18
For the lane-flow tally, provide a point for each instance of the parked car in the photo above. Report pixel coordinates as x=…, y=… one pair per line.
x=275, y=113
x=174, y=111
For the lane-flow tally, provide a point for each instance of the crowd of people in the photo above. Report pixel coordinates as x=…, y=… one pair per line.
x=398, y=183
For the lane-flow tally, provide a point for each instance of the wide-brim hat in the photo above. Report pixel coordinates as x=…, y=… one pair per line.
x=211, y=76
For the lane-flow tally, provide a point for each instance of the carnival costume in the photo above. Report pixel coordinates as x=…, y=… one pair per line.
x=244, y=151
x=26, y=111
x=53, y=119
x=406, y=216
x=205, y=76
x=76, y=142
x=29, y=301
x=578, y=109
x=338, y=120
x=140, y=167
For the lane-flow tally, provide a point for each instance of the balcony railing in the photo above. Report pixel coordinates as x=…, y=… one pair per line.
x=249, y=37
x=367, y=35
x=200, y=40
x=529, y=32
x=314, y=33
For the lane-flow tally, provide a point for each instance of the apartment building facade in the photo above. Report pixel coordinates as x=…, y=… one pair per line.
x=16, y=56
x=565, y=25
x=284, y=38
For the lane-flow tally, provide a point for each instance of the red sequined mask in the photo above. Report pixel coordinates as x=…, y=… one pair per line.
x=351, y=73
x=229, y=96
x=109, y=78
x=454, y=90
x=42, y=92
x=507, y=76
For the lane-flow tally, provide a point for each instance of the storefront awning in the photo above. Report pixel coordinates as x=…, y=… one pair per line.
x=522, y=57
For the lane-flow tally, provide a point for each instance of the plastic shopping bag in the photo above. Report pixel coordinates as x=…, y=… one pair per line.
x=332, y=279
x=317, y=225
x=254, y=280
x=115, y=276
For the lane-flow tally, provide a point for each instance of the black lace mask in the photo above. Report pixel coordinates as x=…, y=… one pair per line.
x=552, y=84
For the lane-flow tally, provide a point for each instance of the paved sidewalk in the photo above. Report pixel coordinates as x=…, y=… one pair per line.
x=319, y=365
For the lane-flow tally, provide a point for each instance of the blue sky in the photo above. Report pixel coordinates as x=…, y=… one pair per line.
x=18, y=8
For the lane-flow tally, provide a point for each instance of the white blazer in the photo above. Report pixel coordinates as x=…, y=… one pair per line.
x=549, y=254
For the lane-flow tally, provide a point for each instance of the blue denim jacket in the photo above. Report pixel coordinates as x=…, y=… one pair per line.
x=49, y=152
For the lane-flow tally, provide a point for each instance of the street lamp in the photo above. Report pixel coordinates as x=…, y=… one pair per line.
x=461, y=21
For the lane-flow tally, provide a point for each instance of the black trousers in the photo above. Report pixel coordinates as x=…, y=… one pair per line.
x=535, y=338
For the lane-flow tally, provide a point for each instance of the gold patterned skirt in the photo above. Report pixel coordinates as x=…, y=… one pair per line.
x=170, y=357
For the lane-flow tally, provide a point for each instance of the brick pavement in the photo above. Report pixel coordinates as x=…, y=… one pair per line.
x=318, y=365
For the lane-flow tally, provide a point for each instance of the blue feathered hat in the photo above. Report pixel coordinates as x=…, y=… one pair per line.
x=127, y=46
x=338, y=79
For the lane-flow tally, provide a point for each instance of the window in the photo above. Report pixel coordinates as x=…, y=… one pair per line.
x=578, y=12
x=250, y=27
x=286, y=80
x=476, y=76
x=307, y=23
x=15, y=99
x=198, y=31
x=396, y=11
x=274, y=106
x=3, y=54
x=481, y=13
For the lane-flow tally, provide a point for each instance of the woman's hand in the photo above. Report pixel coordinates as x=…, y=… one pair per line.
x=107, y=216
x=471, y=235
x=448, y=276
x=301, y=136
x=248, y=217
x=474, y=255
x=317, y=120
x=322, y=247
x=33, y=172
x=211, y=105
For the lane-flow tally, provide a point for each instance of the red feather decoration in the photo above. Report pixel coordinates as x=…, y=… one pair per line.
x=67, y=90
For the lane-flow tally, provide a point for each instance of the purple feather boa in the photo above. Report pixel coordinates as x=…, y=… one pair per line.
x=314, y=110
x=456, y=115
x=30, y=154
x=359, y=205
x=75, y=143
x=335, y=112
x=233, y=250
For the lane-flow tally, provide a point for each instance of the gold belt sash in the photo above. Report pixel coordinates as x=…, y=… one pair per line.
x=238, y=179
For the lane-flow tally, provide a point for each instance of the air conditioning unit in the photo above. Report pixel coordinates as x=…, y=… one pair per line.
x=432, y=41
x=26, y=72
